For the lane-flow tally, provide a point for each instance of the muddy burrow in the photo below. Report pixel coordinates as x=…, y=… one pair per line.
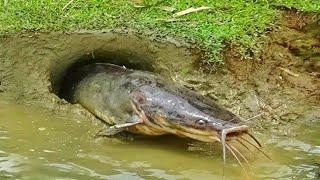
x=34, y=65
x=273, y=93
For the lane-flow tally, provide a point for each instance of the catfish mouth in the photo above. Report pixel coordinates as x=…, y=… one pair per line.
x=238, y=134
x=234, y=133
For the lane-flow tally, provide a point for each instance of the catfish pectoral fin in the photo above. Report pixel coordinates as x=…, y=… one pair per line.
x=120, y=126
x=108, y=132
x=130, y=122
x=112, y=130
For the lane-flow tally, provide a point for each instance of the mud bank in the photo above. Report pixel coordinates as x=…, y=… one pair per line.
x=33, y=65
x=273, y=93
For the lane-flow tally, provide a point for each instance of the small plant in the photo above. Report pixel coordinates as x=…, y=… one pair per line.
x=208, y=23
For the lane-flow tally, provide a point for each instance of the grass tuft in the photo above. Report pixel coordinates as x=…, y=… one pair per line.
x=232, y=21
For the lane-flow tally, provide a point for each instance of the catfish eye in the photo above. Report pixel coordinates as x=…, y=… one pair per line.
x=201, y=122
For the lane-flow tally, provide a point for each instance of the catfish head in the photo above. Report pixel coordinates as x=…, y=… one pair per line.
x=180, y=111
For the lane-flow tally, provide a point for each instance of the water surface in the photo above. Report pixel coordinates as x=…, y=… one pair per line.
x=39, y=144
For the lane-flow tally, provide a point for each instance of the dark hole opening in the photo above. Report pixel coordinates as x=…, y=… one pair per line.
x=63, y=80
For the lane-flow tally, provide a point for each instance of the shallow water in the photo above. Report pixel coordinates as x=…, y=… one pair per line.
x=38, y=144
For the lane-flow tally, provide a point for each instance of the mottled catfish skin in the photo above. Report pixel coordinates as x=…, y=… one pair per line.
x=145, y=103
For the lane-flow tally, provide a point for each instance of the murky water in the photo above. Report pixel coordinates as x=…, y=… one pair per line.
x=38, y=144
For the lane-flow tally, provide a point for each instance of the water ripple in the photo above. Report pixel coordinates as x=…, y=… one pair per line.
x=297, y=145
x=12, y=163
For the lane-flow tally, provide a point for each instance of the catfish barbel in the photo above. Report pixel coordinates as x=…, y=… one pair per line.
x=145, y=103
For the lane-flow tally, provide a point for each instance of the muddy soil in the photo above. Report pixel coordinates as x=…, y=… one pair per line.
x=273, y=92
x=32, y=65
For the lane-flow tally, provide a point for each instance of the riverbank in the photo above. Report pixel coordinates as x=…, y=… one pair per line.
x=212, y=27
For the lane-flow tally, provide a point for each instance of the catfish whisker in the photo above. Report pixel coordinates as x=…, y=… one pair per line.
x=253, y=117
x=243, y=157
x=244, y=145
x=236, y=157
x=256, y=148
x=254, y=138
x=229, y=121
x=223, y=142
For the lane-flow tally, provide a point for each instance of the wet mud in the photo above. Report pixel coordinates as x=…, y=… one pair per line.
x=273, y=92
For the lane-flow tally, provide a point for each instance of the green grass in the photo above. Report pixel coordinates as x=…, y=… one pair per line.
x=229, y=21
x=302, y=5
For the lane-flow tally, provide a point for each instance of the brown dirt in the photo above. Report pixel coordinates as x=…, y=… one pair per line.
x=281, y=87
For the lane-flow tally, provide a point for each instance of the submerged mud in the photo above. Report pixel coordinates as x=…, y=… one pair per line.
x=273, y=93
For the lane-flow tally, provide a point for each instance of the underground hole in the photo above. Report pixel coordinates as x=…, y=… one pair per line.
x=76, y=50
x=62, y=86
